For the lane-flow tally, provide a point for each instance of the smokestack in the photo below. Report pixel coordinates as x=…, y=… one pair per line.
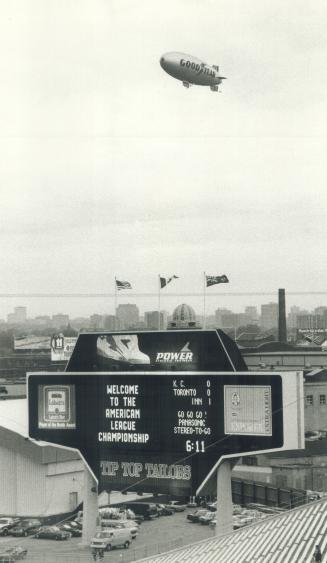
x=282, y=334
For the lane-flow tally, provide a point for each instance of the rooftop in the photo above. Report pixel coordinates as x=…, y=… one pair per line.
x=287, y=538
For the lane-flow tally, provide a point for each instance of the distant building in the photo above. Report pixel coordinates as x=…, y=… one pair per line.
x=219, y=313
x=251, y=315
x=18, y=316
x=60, y=320
x=292, y=316
x=128, y=314
x=96, y=322
x=311, y=321
x=269, y=315
x=111, y=323
x=42, y=321
x=151, y=319
x=183, y=317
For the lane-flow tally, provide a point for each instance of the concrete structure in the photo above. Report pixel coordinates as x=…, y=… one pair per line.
x=36, y=479
x=288, y=360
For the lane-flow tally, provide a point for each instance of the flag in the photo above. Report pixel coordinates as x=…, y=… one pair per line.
x=123, y=285
x=212, y=280
x=166, y=281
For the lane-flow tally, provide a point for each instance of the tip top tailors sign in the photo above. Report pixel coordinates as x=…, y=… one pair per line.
x=62, y=347
x=165, y=432
x=188, y=350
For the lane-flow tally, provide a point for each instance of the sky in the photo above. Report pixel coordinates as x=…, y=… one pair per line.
x=110, y=167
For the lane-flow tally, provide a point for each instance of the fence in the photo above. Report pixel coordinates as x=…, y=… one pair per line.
x=245, y=492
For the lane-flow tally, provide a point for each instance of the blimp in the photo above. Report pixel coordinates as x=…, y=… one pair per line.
x=191, y=70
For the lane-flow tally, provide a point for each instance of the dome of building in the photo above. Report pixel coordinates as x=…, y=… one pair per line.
x=183, y=317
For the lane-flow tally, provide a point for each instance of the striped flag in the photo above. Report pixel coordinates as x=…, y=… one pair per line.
x=123, y=285
x=166, y=281
x=212, y=280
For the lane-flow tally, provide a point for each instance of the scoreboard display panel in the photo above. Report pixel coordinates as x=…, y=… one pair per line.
x=162, y=431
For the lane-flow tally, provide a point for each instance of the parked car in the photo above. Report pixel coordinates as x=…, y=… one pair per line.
x=52, y=533
x=195, y=516
x=313, y=435
x=107, y=539
x=146, y=509
x=176, y=505
x=26, y=527
x=74, y=528
x=10, y=554
x=6, y=524
x=118, y=524
x=207, y=517
x=163, y=510
x=212, y=506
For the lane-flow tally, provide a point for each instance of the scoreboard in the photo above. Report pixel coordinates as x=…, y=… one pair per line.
x=164, y=432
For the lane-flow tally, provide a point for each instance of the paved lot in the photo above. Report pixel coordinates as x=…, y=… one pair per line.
x=161, y=534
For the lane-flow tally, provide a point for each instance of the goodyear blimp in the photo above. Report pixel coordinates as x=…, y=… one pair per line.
x=191, y=70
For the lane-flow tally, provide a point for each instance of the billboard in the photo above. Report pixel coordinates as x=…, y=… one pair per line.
x=184, y=350
x=165, y=432
x=62, y=347
x=32, y=342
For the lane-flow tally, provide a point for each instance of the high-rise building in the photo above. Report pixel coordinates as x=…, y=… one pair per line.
x=151, y=319
x=269, y=315
x=18, y=316
x=251, y=314
x=96, y=322
x=219, y=313
x=292, y=316
x=112, y=323
x=128, y=314
x=60, y=320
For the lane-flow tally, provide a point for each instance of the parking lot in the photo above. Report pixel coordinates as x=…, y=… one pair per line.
x=155, y=536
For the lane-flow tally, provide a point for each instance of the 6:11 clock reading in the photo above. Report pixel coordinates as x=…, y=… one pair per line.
x=197, y=446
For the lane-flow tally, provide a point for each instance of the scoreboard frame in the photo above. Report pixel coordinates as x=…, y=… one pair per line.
x=284, y=428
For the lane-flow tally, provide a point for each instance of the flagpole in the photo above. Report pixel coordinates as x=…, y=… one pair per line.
x=159, y=287
x=204, y=300
x=116, y=303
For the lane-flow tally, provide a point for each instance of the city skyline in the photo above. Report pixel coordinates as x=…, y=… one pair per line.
x=254, y=312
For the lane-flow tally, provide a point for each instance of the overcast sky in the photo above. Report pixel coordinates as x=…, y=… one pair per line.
x=110, y=167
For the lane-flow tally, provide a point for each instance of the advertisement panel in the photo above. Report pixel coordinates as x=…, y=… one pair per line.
x=184, y=350
x=32, y=343
x=164, y=432
x=62, y=347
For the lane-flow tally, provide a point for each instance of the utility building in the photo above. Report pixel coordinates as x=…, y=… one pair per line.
x=37, y=480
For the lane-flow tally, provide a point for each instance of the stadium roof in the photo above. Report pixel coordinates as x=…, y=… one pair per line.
x=287, y=538
x=14, y=435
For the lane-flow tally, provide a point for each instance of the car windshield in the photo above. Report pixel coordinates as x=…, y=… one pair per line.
x=4, y=521
x=103, y=534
